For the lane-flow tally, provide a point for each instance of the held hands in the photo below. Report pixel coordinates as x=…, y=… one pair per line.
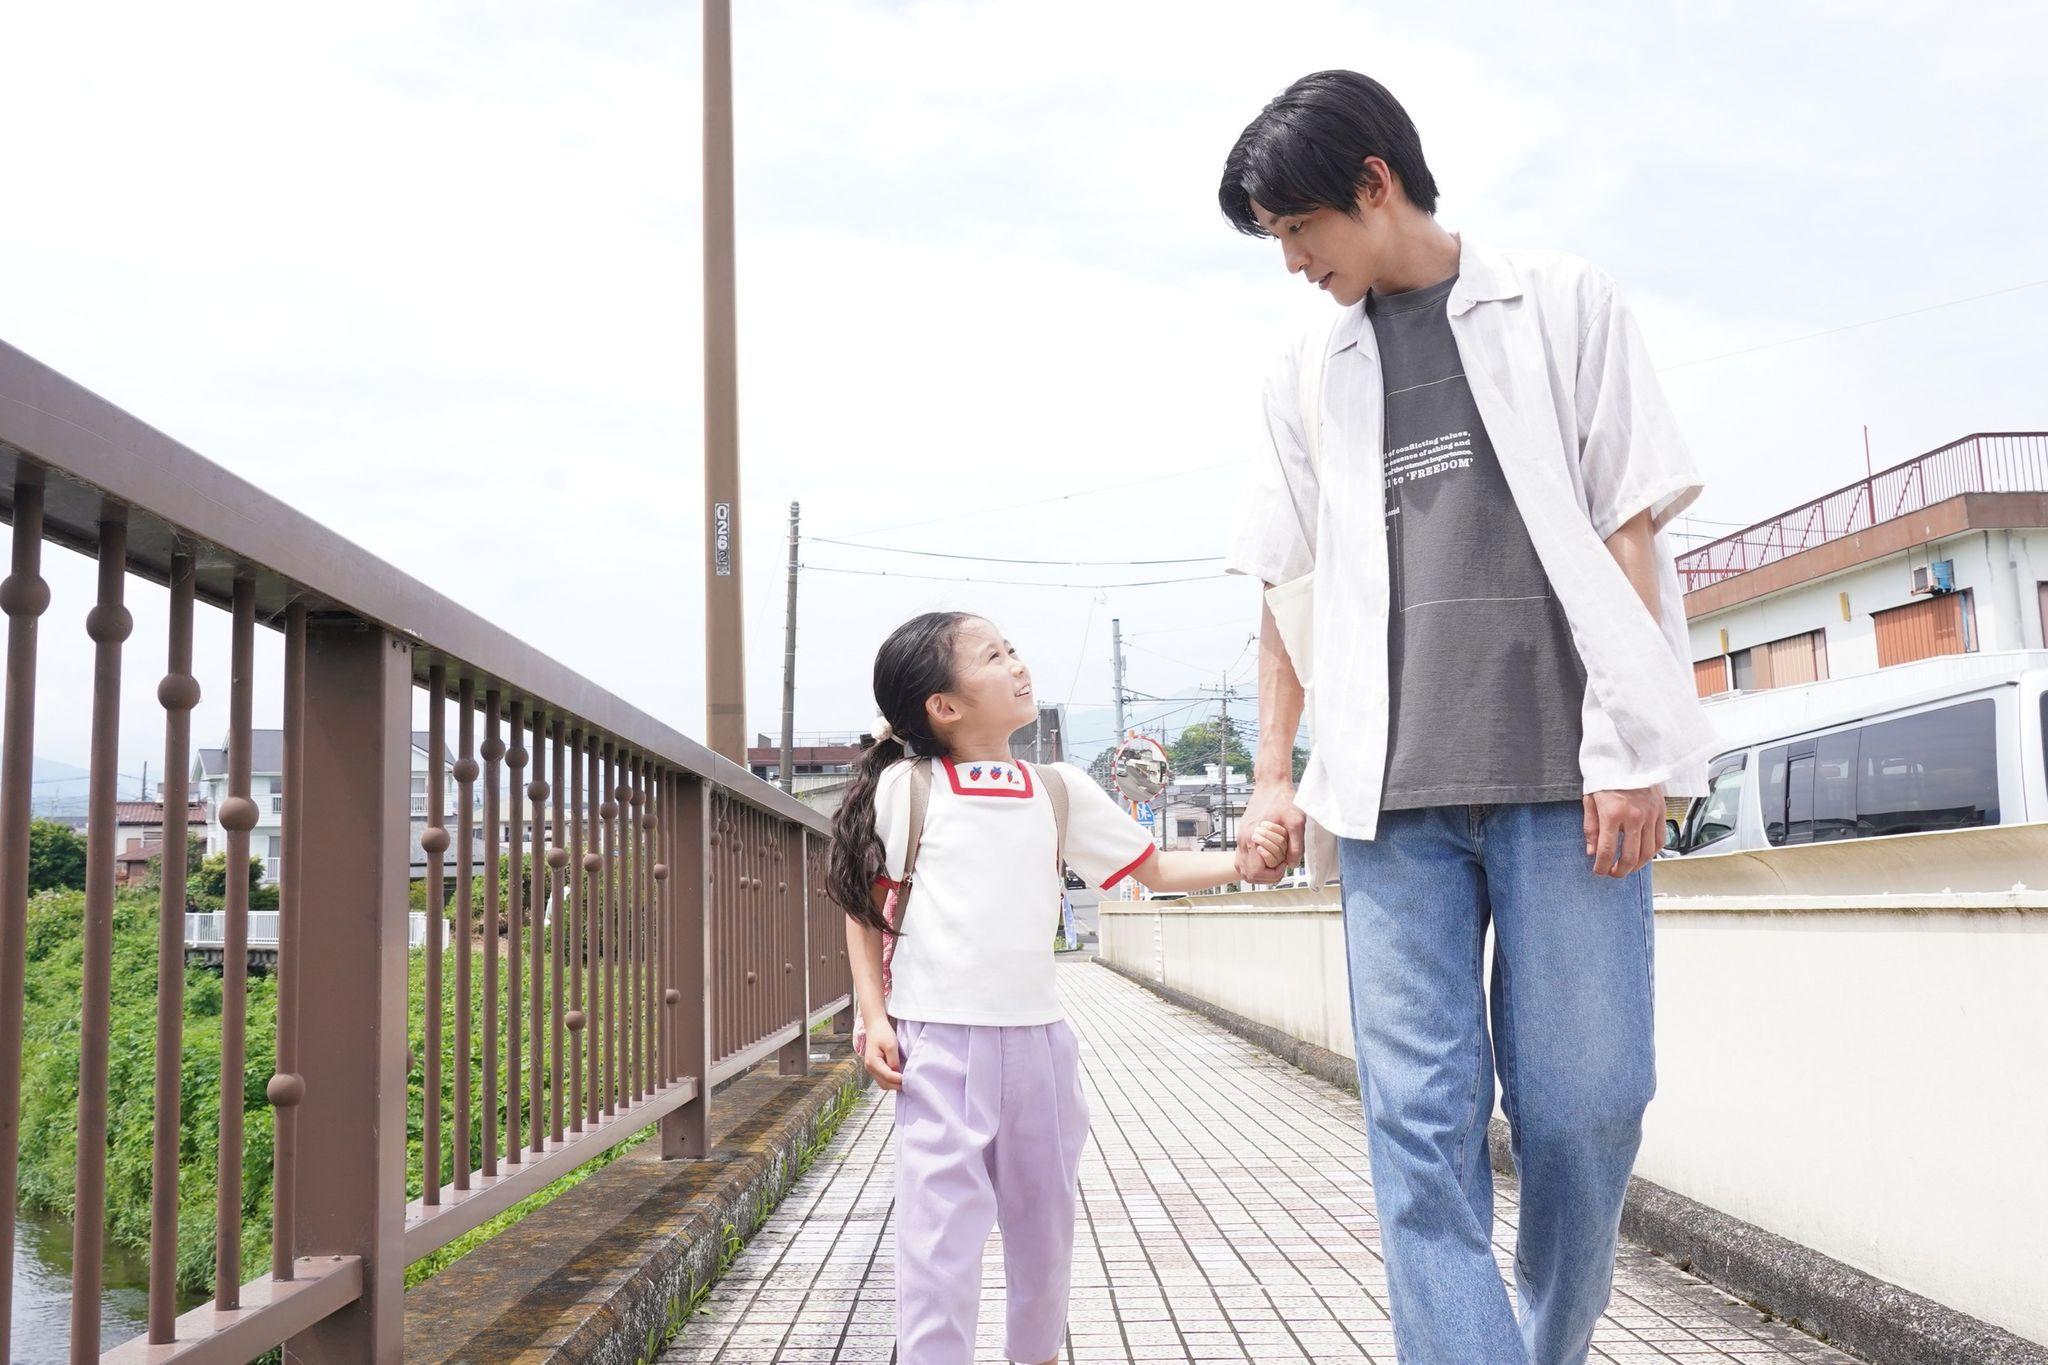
x=1268, y=841
x=1271, y=804
x=1624, y=830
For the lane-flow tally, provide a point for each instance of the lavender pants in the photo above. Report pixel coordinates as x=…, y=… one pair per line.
x=989, y=1129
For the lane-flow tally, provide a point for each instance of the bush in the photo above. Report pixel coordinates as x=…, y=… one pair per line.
x=50, y=1049
x=56, y=857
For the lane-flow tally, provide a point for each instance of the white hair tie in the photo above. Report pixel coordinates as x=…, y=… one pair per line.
x=881, y=730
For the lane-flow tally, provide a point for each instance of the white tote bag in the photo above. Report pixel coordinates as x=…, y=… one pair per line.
x=1293, y=603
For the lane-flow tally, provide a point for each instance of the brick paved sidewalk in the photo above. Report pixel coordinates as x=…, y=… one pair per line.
x=1226, y=1215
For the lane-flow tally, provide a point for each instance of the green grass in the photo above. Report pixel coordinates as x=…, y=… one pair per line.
x=50, y=1053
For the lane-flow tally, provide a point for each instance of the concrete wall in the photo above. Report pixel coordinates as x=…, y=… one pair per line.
x=1867, y=1076
x=2002, y=570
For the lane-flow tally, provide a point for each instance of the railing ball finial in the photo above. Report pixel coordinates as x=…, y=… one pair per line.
x=464, y=770
x=558, y=857
x=537, y=789
x=671, y=996
x=238, y=813
x=573, y=1021
x=178, y=692
x=609, y=810
x=285, y=1090
x=433, y=839
x=593, y=862
x=661, y=872
x=109, y=623
x=24, y=595
x=493, y=749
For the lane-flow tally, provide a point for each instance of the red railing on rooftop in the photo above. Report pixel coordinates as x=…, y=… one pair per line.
x=1987, y=462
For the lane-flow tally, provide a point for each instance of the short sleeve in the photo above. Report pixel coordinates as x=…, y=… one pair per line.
x=1273, y=535
x=892, y=819
x=1104, y=844
x=1631, y=457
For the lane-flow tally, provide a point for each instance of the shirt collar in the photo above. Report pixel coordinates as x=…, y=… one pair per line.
x=1483, y=277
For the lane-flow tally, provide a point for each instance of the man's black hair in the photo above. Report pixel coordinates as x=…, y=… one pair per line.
x=1306, y=150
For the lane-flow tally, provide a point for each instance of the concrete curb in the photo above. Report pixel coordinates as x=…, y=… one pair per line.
x=1844, y=1306
x=598, y=1272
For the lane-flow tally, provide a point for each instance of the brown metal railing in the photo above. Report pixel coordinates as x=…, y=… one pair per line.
x=662, y=919
x=1988, y=462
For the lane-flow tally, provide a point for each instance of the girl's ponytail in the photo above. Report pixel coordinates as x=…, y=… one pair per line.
x=913, y=663
x=858, y=858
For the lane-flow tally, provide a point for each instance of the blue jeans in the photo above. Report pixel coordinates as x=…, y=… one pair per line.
x=1570, y=1038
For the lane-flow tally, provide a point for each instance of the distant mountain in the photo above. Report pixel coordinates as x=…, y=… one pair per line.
x=58, y=788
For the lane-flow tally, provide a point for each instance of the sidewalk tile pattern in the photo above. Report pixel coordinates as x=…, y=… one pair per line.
x=1226, y=1215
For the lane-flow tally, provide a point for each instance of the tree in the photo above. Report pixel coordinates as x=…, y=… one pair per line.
x=1195, y=748
x=195, y=854
x=56, y=857
x=207, y=886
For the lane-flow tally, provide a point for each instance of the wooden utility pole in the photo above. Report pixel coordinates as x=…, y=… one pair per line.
x=725, y=672
x=784, y=768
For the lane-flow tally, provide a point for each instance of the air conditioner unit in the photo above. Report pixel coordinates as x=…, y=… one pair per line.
x=1936, y=579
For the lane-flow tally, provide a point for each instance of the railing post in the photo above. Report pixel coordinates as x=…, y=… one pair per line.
x=356, y=799
x=795, y=1059
x=835, y=942
x=686, y=1132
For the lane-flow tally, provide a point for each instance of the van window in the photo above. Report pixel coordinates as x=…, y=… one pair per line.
x=1713, y=819
x=1935, y=770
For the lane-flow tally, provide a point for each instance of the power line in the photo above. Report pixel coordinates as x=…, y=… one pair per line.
x=1852, y=326
x=999, y=559
x=1062, y=497
x=1014, y=582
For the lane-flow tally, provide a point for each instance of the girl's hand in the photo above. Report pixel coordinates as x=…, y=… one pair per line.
x=1271, y=841
x=883, y=1061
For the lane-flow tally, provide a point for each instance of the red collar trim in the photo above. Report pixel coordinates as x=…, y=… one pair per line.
x=1023, y=793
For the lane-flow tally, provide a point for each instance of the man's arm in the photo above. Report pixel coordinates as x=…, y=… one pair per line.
x=1624, y=829
x=1635, y=549
x=1280, y=703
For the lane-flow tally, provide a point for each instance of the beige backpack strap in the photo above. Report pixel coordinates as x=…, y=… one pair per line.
x=920, y=802
x=1056, y=789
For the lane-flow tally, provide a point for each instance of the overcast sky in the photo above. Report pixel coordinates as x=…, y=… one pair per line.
x=367, y=253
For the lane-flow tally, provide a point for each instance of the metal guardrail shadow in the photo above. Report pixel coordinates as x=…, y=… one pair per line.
x=682, y=933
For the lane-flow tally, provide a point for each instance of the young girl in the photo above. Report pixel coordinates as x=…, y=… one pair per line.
x=990, y=1118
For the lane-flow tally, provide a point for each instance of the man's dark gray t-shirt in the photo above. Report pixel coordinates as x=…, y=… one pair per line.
x=1486, y=683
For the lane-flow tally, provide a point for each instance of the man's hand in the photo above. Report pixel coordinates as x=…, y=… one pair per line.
x=1272, y=801
x=1624, y=830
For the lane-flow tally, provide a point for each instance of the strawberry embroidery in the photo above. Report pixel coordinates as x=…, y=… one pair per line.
x=975, y=772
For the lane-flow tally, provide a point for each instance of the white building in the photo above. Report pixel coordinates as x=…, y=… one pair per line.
x=266, y=789
x=1945, y=554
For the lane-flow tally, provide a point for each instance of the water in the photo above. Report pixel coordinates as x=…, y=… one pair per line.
x=42, y=1293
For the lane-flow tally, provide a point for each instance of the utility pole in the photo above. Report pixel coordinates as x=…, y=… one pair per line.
x=1116, y=637
x=1223, y=760
x=1225, y=694
x=784, y=768
x=725, y=670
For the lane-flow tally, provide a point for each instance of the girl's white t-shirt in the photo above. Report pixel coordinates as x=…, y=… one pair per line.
x=986, y=894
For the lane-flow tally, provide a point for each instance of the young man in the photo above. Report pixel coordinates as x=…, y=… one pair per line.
x=1501, y=703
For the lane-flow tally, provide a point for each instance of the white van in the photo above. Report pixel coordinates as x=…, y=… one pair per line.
x=1947, y=743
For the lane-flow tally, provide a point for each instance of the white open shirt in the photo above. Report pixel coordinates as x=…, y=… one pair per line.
x=1586, y=441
